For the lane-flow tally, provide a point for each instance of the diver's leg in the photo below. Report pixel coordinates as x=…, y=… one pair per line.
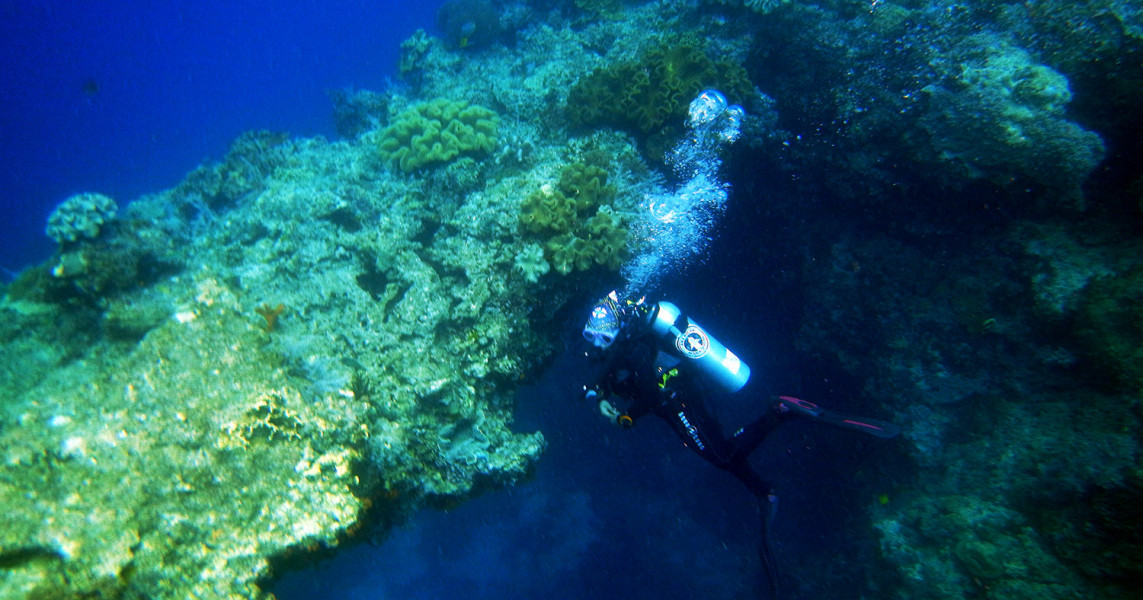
x=766, y=545
x=742, y=470
x=768, y=505
x=745, y=440
x=701, y=433
x=696, y=428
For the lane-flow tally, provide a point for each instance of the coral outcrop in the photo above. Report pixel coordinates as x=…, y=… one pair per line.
x=80, y=217
x=437, y=132
x=575, y=220
x=1000, y=115
x=160, y=439
x=646, y=94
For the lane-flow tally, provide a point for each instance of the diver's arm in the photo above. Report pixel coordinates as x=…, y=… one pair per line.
x=625, y=419
x=602, y=368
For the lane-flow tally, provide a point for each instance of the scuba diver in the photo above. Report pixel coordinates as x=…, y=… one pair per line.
x=657, y=361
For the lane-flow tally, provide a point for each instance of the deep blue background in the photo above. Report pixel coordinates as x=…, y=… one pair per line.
x=177, y=82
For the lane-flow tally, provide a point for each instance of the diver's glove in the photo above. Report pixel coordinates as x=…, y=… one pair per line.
x=609, y=411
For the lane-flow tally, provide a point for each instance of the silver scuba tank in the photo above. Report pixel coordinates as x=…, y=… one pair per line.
x=695, y=346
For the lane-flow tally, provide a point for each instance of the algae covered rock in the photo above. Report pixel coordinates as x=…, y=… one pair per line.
x=437, y=132
x=80, y=217
x=1000, y=116
x=177, y=471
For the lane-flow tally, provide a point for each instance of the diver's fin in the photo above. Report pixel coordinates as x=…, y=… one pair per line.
x=805, y=408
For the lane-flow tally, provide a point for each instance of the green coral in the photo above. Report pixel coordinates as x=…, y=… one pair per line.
x=657, y=89
x=548, y=210
x=437, y=132
x=413, y=52
x=531, y=262
x=605, y=241
x=587, y=185
x=570, y=253
x=576, y=218
x=80, y=217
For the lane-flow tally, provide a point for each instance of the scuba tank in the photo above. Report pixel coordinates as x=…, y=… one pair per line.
x=691, y=344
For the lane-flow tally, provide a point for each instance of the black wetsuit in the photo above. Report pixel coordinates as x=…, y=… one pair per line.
x=635, y=369
x=630, y=372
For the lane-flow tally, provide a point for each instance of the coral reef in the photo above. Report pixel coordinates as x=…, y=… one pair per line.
x=162, y=439
x=80, y=217
x=576, y=221
x=967, y=547
x=358, y=111
x=168, y=432
x=437, y=132
x=758, y=6
x=136, y=471
x=604, y=8
x=1021, y=420
x=1109, y=322
x=1000, y=115
x=647, y=94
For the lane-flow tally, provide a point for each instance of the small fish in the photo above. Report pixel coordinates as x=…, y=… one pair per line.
x=466, y=32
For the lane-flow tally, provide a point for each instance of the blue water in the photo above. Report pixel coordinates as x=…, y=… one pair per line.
x=125, y=97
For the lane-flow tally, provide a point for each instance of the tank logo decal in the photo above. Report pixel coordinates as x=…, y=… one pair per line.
x=693, y=343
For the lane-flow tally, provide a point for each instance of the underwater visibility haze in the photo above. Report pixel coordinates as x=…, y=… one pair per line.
x=293, y=296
